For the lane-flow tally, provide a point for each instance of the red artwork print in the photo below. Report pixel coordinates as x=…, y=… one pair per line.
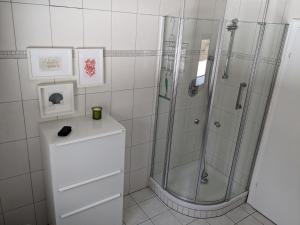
x=90, y=67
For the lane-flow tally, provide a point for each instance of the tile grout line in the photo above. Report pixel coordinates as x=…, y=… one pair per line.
x=24, y=119
x=133, y=90
x=138, y=204
x=249, y=214
x=83, y=44
x=259, y=220
x=21, y=174
x=21, y=206
x=167, y=207
x=150, y=218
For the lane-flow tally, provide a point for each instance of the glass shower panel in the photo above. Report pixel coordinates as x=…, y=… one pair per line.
x=191, y=107
x=170, y=33
x=270, y=52
x=227, y=107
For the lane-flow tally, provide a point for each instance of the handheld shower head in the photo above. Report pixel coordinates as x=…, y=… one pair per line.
x=233, y=25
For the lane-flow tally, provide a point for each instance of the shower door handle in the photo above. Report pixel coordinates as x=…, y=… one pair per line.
x=238, y=104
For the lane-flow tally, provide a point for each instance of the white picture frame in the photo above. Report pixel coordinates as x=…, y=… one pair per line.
x=56, y=99
x=50, y=63
x=89, y=67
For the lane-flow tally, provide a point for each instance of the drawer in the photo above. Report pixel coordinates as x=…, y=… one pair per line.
x=84, y=193
x=109, y=213
x=84, y=160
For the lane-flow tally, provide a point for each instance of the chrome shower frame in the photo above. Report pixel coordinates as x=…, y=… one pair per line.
x=211, y=90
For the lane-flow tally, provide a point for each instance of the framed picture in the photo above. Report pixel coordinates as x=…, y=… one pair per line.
x=56, y=99
x=50, y=63
x=89, y=67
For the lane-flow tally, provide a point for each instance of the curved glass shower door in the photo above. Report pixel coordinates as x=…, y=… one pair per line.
x=210, y=114
x=227, y=106
x=168, y=40
x=205, y=130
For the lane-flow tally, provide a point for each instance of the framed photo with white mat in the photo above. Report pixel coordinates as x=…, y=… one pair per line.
x=56, y=99
x=89, y=67
x=50, y=63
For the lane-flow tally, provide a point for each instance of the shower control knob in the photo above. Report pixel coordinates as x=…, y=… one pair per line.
x=217, y=124
x=196, y=121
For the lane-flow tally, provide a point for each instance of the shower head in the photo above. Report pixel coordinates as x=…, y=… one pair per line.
x=233, y=25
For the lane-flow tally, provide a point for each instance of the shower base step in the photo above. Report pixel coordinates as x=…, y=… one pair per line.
x=196, y=210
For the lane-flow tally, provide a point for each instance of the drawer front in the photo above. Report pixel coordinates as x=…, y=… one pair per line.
x=88, y=159
x=108, y=213
x=76, y=196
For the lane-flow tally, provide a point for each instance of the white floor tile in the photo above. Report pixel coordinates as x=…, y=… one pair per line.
x=237, y=214
x=134, y=215
x=143, y=195
x=150, y=206
x=148, y=222
x=128, y=202
x=248, y=208
x=165, y=218
x=199, y=222
x=153, y=207
x=183, y=219
x=222, y=220
x=250, y=220
x=262, y=219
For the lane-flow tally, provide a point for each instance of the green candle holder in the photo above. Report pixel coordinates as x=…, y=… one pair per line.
x=97, y=112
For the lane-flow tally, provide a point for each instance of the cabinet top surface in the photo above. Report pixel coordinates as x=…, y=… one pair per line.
x=83, y=128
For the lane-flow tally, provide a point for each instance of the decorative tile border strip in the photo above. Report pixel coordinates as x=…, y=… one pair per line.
x=13, y=54
x=131, y=53
x=21, y=54
x=194, y=210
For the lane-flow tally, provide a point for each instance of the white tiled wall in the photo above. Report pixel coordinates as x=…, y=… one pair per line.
x=252, y=10
x=128, y=94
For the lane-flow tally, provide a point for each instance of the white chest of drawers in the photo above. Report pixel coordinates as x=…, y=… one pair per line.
x=84, y=171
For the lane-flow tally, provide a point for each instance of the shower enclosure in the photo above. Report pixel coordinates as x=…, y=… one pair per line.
x=215, y=85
